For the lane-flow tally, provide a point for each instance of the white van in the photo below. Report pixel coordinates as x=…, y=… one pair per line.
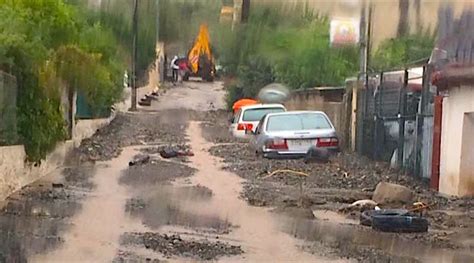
x=247, y=117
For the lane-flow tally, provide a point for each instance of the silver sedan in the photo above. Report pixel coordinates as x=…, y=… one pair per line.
x=292, y=134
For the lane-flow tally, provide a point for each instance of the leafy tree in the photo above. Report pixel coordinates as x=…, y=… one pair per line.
x=287, y=46
x=398, y=52
x=50, y=45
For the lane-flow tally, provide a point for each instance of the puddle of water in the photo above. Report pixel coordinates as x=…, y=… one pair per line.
x=258, y=230
x=171, y=205
x=94, y=236
x=349, y=235
x=33, y=219
x=333, y=217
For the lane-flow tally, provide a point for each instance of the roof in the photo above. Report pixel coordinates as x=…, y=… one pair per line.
x=320, y=89
x=453, y=56
x=453, y=75
x=294, y=112
x=255, y=106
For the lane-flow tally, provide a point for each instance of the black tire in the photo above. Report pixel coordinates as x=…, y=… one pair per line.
x=389, y=222
x=366, y=216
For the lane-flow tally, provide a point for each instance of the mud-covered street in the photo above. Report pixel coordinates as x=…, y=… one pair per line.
x=214, y=204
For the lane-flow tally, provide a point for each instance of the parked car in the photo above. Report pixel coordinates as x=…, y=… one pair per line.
x=247, y=118
x=292, y=134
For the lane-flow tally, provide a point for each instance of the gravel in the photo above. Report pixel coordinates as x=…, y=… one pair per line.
x=174, y=245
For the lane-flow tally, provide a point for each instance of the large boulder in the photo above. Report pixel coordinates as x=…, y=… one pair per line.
x=387, y=193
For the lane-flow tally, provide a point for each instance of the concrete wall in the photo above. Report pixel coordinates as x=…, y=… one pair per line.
x=456, y=171
x=17, y=173
x=466, y=175
x=12, y=168
x=311, y=100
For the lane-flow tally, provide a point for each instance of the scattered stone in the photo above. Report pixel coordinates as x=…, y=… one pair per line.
x=388, y=193
x=174, y=245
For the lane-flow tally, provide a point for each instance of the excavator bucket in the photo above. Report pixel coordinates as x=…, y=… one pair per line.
x=201, y=47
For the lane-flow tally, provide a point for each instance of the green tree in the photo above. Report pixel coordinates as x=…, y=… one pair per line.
x=398, y=52
x=50, y=45
x=290, y=46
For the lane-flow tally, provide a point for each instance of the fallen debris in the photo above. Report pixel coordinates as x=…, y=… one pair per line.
x=360, y=205
x=144, y=102
x=57, y=185
x=140, y=159
x=171, y=153
x=388, y=193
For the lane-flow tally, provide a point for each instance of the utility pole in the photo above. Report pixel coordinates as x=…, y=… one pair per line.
x=365, y=37
x=368, y=39
x=245, y=11
x=363, y=41
x=363, y=77
x=134, y=56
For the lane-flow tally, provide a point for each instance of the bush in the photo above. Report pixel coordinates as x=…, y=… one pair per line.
x=48, y=46
x=398, y=52
x=287, y=46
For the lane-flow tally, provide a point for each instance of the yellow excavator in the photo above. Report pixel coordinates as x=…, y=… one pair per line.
x=200, y=59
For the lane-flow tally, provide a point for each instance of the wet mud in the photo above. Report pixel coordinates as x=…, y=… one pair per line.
x=174, y=245
x=348, y=178
x=214, y=205
x=34, y=219
x=153, y=173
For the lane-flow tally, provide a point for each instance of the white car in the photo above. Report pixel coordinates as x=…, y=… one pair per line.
x=293, y=133
x=245, y=121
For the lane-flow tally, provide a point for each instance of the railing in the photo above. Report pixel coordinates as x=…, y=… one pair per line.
x=394, y=119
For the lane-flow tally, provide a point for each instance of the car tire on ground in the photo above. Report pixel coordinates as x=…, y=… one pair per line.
x=366, y=216
x=392, y=222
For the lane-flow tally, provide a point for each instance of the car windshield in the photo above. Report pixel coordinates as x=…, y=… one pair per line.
x=298, y=122
x=257, y=114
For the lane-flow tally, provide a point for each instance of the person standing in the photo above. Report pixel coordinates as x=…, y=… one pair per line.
x=174, y=68
x=183, y=69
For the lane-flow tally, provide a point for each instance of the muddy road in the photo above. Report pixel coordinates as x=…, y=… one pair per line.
x=210, y=205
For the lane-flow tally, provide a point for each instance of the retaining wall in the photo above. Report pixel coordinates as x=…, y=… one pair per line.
x=16, y=173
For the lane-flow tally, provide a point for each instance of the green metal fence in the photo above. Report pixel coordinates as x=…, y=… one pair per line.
x=8, y=120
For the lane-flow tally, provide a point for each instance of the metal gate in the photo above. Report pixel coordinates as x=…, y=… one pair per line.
x=390, y=110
